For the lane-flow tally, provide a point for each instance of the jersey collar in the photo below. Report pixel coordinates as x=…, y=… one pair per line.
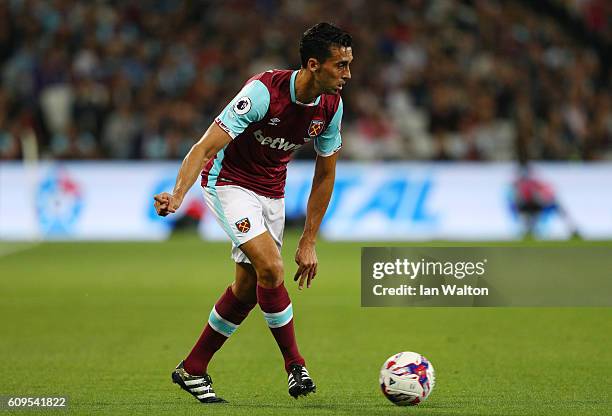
x=292, y=91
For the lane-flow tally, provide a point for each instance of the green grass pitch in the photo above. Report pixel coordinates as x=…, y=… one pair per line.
x=105, y=323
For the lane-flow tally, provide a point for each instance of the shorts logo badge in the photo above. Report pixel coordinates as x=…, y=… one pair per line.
x=316, y=127
x=243, y=225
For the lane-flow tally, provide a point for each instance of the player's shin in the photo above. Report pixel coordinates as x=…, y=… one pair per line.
x=225, y=317
x=278, y=312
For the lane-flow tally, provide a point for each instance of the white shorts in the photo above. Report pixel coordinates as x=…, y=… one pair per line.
x=244, y=215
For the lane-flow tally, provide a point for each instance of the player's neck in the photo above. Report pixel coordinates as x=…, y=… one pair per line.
x=305, y=87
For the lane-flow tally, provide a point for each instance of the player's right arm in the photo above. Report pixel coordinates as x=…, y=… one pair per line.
x=248, y=106
x=206, y=148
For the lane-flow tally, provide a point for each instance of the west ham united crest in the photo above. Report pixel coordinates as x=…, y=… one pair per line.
x=316, y=127
x=243, y=225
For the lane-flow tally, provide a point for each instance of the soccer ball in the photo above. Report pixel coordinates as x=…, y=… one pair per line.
x=407, y=378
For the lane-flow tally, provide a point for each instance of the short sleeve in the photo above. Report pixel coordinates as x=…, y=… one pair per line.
x=248, y=106
x=330, y=141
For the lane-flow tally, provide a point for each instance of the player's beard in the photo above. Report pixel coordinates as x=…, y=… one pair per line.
x=334, y=89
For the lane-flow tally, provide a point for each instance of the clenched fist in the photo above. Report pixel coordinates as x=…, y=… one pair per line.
x=166, y=204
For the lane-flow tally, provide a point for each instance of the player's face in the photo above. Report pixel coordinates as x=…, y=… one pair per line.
x=335, y=71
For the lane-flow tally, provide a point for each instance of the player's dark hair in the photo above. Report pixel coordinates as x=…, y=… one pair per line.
x=317, y=40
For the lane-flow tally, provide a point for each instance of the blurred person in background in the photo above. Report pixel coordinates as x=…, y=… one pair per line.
x=74, y=144
x=9, y=142
x=535, y=200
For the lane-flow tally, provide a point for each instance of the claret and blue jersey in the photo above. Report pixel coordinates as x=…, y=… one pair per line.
x=267, y=124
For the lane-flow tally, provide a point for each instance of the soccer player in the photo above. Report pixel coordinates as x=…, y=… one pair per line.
x=243, y=160
x=534, y=199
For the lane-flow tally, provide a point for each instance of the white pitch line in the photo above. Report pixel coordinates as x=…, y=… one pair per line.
x=8, y=250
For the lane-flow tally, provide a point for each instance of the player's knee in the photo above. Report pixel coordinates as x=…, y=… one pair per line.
x=270, y=274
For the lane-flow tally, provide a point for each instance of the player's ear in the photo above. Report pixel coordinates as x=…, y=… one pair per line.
x=313, y=65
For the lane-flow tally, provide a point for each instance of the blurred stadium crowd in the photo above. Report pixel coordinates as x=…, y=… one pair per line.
x=432, y=80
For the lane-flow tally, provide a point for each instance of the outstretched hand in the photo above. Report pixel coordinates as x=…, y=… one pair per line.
x=306, y=259
x=166, y=204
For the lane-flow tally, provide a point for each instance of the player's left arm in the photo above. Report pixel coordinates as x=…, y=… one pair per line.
x=318, y=201
x=326, y=146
